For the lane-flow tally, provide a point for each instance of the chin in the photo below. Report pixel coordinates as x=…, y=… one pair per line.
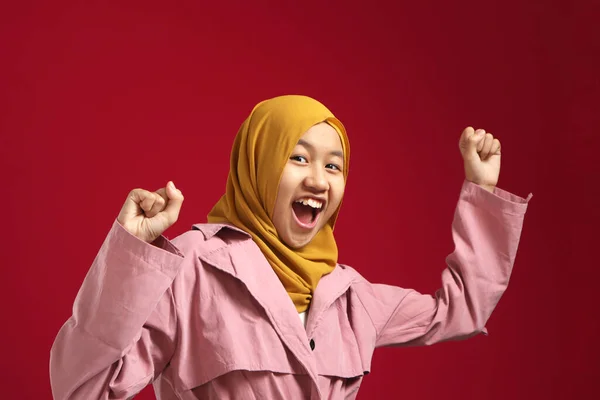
x=299, y=243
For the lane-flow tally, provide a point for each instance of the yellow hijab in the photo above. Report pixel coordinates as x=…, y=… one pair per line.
x=260, y=152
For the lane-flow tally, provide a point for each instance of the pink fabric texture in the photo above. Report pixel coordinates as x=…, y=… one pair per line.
x=205, y=317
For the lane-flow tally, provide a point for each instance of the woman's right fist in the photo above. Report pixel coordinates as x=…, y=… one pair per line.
x=148, y=214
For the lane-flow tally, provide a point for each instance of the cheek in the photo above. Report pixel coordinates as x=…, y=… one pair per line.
x=339, y=189
x=337, y=193
x=279, y=209
x=288, y=184
x=284, y=193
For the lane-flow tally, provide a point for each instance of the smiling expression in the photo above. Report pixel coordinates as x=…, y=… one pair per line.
x=311, y=186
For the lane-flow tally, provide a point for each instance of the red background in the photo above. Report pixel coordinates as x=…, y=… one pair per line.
x=97, y=98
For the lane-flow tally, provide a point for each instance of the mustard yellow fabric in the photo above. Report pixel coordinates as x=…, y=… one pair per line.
x=260, y=152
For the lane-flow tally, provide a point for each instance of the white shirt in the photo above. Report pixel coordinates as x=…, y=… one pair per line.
x=302, y=316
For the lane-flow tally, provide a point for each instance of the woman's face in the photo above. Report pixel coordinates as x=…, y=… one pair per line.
x=311, y=186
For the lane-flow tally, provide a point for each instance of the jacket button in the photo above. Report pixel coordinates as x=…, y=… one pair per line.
x=312, y=344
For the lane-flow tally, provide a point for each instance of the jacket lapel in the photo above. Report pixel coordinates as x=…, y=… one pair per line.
x=244, y=261
x=328, y=290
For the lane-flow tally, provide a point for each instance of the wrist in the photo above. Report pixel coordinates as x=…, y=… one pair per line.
x=489, y=188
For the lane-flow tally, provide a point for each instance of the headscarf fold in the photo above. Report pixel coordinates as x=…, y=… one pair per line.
x=260, y=151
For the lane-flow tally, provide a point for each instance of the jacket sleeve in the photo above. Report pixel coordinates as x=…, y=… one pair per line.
x=122, y=331
x=486, y=230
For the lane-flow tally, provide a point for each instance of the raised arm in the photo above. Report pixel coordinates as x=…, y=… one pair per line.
x=486, y=232
x=122, y=331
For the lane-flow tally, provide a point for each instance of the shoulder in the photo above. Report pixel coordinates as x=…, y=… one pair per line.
x=208, y=237
x=206, y=248
x=357, y=282
x=203, y=242
x=347, y=270
x=364, y=288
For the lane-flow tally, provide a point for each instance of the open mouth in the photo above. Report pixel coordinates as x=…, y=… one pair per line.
x=307, y=211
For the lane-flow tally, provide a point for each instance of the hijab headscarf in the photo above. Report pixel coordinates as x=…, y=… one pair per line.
x=260, y=152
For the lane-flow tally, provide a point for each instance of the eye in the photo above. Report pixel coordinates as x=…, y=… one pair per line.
x=300, y=159
x=334, y=167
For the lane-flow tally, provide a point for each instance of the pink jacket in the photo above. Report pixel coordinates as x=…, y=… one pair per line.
x=205, y=316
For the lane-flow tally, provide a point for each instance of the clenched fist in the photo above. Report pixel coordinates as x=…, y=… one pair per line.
x=148, y=214
x=481, y=156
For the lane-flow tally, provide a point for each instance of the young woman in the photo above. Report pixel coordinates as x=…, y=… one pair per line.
x=254, y=304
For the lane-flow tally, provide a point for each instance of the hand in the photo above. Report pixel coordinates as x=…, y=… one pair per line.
x=148, y=214
x=481, y=155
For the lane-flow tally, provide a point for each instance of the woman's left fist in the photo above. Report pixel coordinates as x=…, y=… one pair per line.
x=481, y=155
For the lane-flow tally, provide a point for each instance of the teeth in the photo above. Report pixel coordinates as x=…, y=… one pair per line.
x=310, y=202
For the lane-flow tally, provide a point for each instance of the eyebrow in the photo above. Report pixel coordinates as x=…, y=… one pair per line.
x=309, y=146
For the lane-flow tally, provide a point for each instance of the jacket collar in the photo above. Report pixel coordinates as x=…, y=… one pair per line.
x=242, y=258
x=210, y=230
x=330, y=287
x=244, y=261
x=328, y=290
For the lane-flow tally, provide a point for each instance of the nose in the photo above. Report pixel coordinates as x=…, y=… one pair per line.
x=316, y=179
